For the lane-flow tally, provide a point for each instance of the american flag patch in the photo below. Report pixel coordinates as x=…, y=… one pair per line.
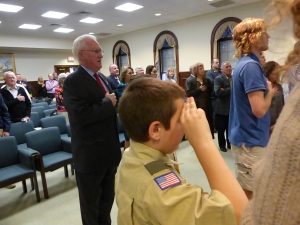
x=167, y=180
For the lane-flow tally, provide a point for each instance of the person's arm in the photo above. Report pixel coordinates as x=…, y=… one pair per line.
x=219, y=176
x=5, y=117
x=219, y=88
x=260, y=103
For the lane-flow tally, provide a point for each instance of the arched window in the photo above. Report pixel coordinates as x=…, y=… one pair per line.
x=221, y=40
x=121, y=54
x=165, y=50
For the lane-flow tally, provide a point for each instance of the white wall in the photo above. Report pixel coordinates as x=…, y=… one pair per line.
x=193, y=37
x=39, y=63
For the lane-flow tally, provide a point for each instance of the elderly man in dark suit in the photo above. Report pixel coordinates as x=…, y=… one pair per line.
x=95, y=144
x=222, y=89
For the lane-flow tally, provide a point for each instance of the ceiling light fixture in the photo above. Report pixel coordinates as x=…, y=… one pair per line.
x=10, y=8
x=90, y=1
x=91, y=20
x=63, y=30
x=55, y=15
x=157, y=14
x=30, y=26
x=120, y=25
x=128, y=7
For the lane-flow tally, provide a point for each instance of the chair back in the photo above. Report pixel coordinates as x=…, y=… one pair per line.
x=8, y=151
x=55, y=121
x=45, y=140
x=19, y=129
x=39, y=110
x=38, y=104
x=49, y=112
x=35, y=118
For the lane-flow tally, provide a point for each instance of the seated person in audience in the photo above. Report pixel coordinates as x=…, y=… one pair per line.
x=151, y=71
x=16, y=98
x=170, y=76
x=41, y=88
x=149, y=190
x=270, y=68
x=124, y=80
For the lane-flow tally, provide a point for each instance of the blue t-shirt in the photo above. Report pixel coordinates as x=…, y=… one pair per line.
x=244, y=127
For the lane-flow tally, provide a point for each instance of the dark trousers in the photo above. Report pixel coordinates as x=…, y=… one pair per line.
x=96, y=195
x=221, y=124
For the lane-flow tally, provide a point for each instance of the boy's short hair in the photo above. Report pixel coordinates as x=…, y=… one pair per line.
x=146, y=100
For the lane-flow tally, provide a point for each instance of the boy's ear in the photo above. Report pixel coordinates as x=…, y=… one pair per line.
x=154, y=131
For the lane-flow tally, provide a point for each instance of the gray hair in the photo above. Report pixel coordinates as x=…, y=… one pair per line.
x=80, y=43
x=6, y=73
x=224, y=64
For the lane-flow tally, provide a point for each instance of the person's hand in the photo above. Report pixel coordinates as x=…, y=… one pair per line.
x=112, y=97
x=194, y=123
x=5, y=134
x=272, y=90
x=203, y=88
x=25, y=119
x=21, y=98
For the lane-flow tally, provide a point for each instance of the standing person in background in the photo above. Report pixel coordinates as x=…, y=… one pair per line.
x=59, y=97
x=96, y=150
x=51, y=84
x=270, y=69
x=199, y=87
x=277, y=179
x=251, y=96
x=139, y=71
x=16, y=98
x=170, y=76
x=222, y=89
x=214, y=71
x=113, y=78
x=41, y=88
x=151, y=70
x=211, y=75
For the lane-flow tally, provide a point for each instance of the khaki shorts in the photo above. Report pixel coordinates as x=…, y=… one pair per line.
x=245, y=159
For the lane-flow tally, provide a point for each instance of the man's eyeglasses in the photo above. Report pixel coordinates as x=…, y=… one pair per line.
x=96, y=51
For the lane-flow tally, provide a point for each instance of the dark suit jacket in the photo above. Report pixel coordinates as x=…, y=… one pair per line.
x=4, y=116
x=95, y=142
x=113, y=82
x=222, y=90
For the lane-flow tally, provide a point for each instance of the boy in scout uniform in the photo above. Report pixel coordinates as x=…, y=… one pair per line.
x=149, y=190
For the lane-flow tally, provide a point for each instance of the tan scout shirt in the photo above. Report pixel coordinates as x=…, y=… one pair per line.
x=143, y=197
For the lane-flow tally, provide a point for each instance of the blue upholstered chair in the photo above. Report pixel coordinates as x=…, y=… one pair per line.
x=35, y=118
x=17, y=165
x=54, y=152
x=39, y=110
x=57, y=121
x=38, y=104
x=18, y=130
x=49, y=112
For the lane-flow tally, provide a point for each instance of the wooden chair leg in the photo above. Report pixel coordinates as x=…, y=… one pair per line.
x=66, y=171
x=32, y=183
x=72, y=168
x=36, y=187
x=44, y=183
x=24, y=186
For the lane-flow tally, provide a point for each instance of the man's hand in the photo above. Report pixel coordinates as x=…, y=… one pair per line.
x=21, y=98
x=112, y=97
x=5, y=134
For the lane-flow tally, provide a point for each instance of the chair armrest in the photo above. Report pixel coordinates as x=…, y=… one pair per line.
x=66, y=143
x=26, y=156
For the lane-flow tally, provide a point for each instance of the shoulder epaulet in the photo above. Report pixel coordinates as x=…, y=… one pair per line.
x=156, y=166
